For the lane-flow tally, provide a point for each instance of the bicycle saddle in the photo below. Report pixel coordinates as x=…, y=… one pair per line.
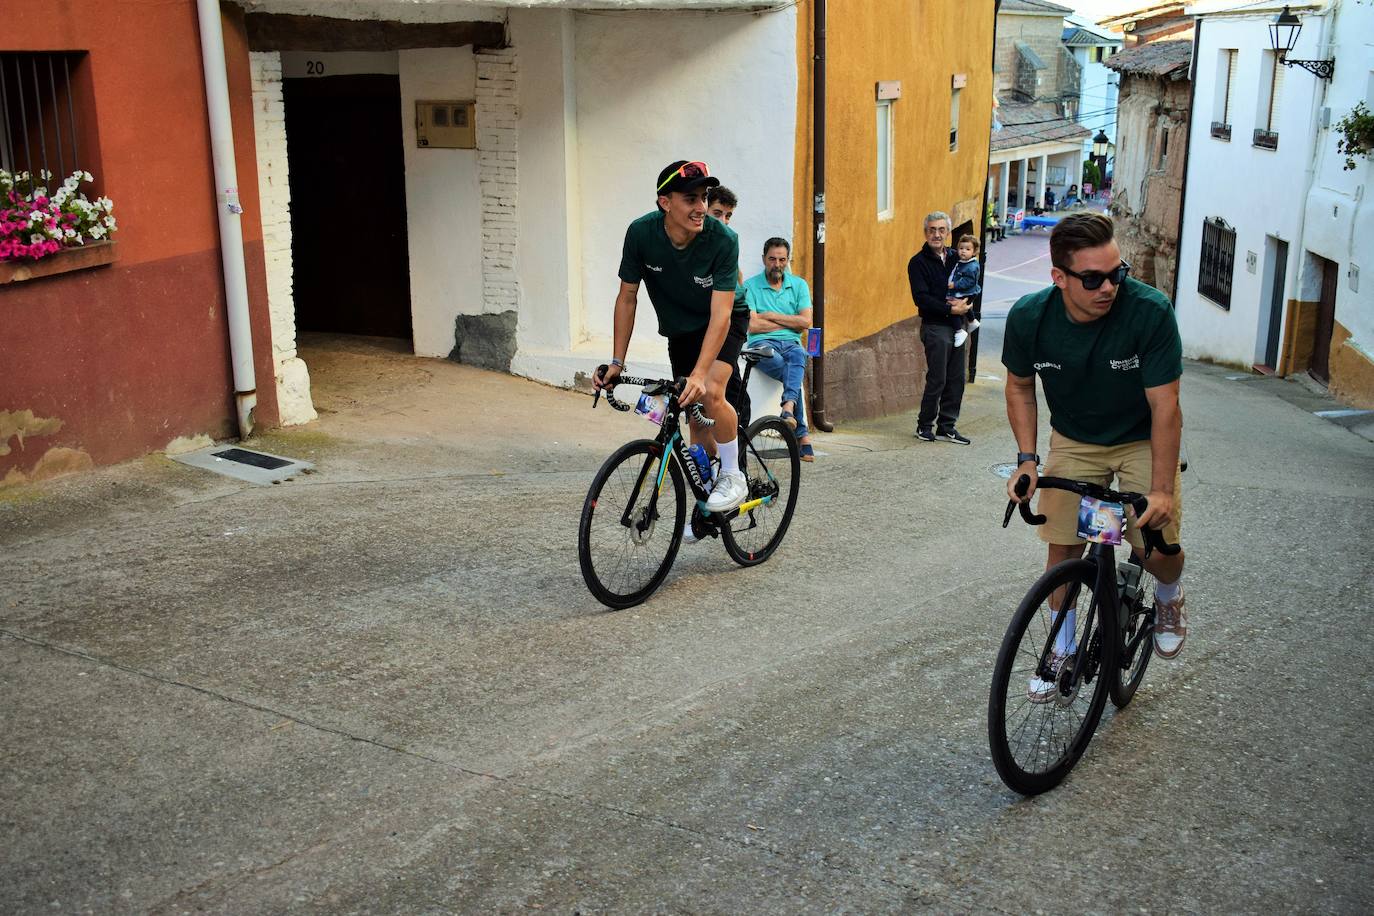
x=756, y=352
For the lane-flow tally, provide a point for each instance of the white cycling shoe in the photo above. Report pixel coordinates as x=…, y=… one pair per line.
x=729, y=491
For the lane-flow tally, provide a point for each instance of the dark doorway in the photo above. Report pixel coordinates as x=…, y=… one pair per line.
x=348, y=213
x=1326, y=323
x=1276, y=264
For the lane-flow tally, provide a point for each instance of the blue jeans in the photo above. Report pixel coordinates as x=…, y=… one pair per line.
x=788, y=365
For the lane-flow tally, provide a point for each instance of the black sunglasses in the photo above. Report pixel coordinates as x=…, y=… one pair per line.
x=1092, y=279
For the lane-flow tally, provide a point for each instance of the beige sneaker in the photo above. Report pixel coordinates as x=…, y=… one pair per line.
x=1042, y=691
x=1171, y=626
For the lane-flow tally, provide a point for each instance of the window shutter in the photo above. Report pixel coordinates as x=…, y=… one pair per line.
x=1275, y=94
x=1230, y=84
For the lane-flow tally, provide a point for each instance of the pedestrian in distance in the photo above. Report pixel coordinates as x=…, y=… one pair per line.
x=928, y=274
x=1108, y=353
x=690, y=263
x=780, y=312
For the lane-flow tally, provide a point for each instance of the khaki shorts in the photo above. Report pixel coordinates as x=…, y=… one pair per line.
x=1129, y=463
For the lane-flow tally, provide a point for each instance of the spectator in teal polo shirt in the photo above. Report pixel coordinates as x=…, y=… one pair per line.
x=779, y=312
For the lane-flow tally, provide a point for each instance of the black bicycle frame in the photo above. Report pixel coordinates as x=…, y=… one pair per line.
x=1104, y=590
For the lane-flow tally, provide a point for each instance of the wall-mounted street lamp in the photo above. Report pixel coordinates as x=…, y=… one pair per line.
x=1283, y=35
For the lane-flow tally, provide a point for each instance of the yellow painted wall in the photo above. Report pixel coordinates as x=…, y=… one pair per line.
x=922, y=43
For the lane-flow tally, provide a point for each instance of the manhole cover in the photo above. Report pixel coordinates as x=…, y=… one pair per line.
x=1005, y=470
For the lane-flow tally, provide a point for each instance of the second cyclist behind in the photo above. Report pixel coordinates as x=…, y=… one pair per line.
x=690, y=263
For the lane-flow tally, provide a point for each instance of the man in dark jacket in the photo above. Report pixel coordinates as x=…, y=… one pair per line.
x=928, y=272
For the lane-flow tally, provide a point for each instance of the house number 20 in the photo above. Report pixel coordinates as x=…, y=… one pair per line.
x=314, y=68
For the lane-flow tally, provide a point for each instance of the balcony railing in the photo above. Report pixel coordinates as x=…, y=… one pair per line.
x=1221, y=131
x=1266, y=139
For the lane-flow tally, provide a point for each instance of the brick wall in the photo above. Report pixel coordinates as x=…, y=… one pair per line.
x=497, y=148
x=269, y=129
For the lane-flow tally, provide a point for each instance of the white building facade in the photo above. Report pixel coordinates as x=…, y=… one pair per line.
x=515, y=242
x=1250, y=154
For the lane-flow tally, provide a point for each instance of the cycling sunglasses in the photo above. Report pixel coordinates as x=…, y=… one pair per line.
x=1092, y=279
x=687, y=170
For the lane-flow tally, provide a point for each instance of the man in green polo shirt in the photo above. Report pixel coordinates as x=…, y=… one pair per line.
x=689, y=261
x=1109, y=357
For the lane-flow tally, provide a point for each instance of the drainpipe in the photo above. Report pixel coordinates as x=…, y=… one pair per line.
x=817, y=418
x=227, y=206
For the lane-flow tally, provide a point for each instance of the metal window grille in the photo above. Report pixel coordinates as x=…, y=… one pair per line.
x=38, y=127
x=1218, y=261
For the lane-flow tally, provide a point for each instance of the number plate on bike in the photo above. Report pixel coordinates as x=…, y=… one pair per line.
x=1100, y=521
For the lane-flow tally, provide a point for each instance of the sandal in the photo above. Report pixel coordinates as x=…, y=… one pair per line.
x=787, y=417
x=808, y=453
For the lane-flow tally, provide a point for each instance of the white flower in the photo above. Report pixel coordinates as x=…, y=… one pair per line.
x=36, y=238
x=71, y=183
x=107, y=204
x=70, y=233
x=86, y=176
x=36, y=216
x=110, y=223
x=96, y=231
x=44, y=174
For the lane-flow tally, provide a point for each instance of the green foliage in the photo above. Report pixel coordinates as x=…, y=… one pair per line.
x=1091, y=174
x=1357, y=135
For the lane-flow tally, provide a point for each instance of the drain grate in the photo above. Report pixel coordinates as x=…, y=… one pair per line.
x=256, y=459
x=244, y=464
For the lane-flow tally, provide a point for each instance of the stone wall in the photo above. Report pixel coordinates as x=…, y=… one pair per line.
x=1044, y=34
x=880, y=374
x=1147, y=192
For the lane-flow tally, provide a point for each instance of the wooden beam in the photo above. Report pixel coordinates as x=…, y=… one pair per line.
x=269, y=32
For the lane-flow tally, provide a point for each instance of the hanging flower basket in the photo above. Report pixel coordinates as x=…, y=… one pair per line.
x=1356, y=131
x=37, y=224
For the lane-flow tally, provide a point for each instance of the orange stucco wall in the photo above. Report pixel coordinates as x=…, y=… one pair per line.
x=120, y=360
x=922, y=43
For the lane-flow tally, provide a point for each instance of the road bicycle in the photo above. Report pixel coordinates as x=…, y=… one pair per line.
x=1048, y=692
x=634, y=514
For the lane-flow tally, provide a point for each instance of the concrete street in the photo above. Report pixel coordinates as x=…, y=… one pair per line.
x=382, y=687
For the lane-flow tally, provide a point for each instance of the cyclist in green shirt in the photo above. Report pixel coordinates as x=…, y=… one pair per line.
x=1109, y=357
x=689, y=261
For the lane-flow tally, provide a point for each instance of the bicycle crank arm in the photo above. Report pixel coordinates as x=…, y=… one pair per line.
x=746, y=507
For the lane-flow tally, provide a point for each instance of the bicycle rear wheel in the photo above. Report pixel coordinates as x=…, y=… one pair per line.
x=1035, y=742
x=771, y=461
x=1137, y=640
x=630, y=530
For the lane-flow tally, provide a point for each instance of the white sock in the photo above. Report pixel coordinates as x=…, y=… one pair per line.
x=1064, y=641
x=728, y=453
x=1168, y=592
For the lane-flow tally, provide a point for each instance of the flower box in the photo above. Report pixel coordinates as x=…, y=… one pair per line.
x=92, y=254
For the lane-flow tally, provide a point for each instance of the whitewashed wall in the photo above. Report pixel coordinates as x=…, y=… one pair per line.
x=729, y=99
x=443, y=204
x=1339, y=213
x=292, y=377
x=1259, y=192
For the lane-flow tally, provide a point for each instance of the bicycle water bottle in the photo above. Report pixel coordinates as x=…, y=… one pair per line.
x=703, y=461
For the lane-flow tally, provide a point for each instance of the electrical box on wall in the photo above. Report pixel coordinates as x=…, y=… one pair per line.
x=446, y=124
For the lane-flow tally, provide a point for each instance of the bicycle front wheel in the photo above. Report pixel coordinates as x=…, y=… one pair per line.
x=631, y=526
x=771, y=462
x=1137, y=639
x=1047, y=696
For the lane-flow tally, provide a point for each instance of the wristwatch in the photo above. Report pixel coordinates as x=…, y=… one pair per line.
x=1023, y=457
